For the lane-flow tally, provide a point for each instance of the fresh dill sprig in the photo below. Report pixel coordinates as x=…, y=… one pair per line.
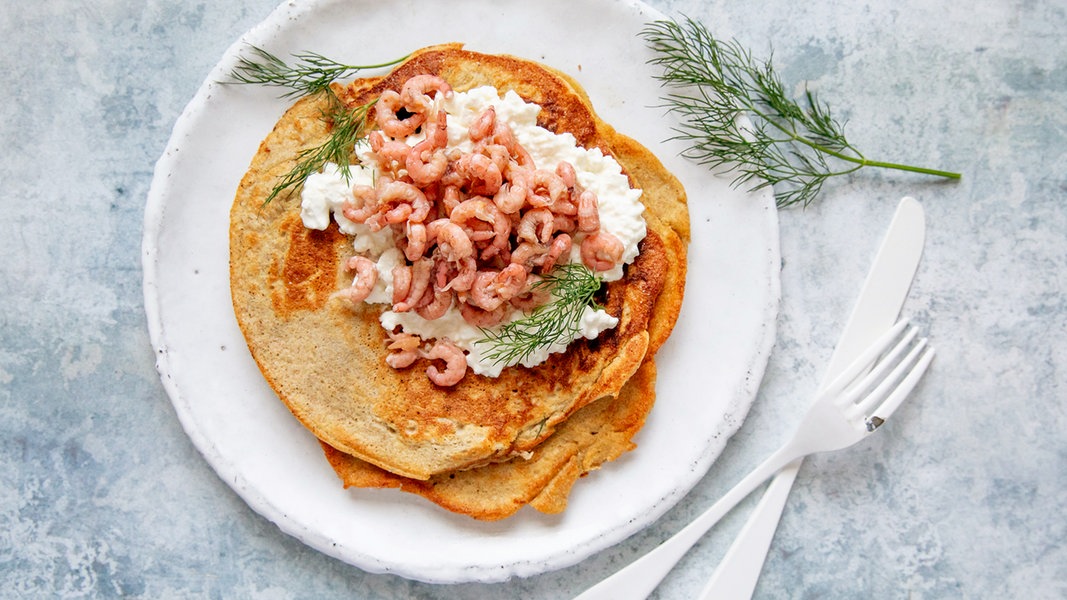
x=791, y=147
x=347, y=126
x=310, y=74
x=573, y=286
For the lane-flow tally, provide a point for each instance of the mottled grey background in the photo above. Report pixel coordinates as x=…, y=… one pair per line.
x=102, y=494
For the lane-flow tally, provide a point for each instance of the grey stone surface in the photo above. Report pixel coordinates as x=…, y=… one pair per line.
x=962, y=495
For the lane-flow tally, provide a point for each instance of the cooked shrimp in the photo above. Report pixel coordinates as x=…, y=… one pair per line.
x=601, y=251
x=437, y=130
x=399, y=201
x=546, y=188
x=533, y=295
x=452, y=241
x=388, y=151
x=364, y=280
x=455, y=363
x=503, y=135
x=528, y=254
x=479, y=317
x=561, y=244
x=511, y=196
x=588, y=212
x=363, y=204
x=436, y=308
x=450, y=199
x=454, y=275
x=417, y=92
x=403, y=350
x=425, y=164
x=493, y=288
x=483, y=174
x=483, y=125
x=385, y=113
x=417, y=241
x=498, y=154
x=417, y=278
x=566, y=172
x=564, y=223
x=537, y=226
x=482, y=220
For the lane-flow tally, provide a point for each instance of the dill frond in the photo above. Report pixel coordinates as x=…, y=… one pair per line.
x=792, y=147
x=310, y=73
x=573, y=288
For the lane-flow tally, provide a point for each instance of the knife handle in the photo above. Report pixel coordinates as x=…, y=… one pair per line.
x=736, y=576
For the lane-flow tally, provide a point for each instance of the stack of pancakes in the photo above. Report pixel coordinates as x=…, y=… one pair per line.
x=486, y=446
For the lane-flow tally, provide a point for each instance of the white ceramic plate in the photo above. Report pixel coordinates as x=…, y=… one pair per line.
x=709, y=370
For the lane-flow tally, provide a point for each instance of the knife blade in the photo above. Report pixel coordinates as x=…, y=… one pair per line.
x=876, y=310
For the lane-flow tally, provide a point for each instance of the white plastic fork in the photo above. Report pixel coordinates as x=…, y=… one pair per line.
x=848, y=410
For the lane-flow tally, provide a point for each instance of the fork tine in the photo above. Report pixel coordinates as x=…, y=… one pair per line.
x=886, y=384
x=865, y=359
x=901, y=392
x=873, y=386
x=877, y=374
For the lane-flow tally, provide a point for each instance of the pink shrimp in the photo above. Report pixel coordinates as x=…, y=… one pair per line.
x=385, y=113
x=566, y=172
x=403, y=350
x=364, y=280
x=536, y=226
x=451, y=196
x=493, y=288
x=483, y=174
x=455, y=363
x=564, y=223
x=363, y=204
x=533, y=295
x=560, y=245
x=425, y=164
x=499, y=155
x=527, y=254
x=546, y=188
x=416, y=93
x=511, y=196
x=452, y=241
x=483, y=125
x=437, y=130
x=601, y=251
x=437, y=307
x=410, y=284
x=388, y=151
x=454, y=275
x=399, y=201
x=417, y=241
x=503, y=135
x=483, y=221
x=588, y=212
x=479, y=317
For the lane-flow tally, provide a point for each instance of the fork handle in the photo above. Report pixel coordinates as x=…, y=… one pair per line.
x=739, y=570
x=637, y=580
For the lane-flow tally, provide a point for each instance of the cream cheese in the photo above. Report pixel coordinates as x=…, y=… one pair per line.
x=621, y=214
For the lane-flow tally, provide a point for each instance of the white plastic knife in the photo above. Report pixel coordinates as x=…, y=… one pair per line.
x=876, y=310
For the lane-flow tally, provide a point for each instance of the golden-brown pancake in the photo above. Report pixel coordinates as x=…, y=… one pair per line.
x=595, y=434
x=326, y=361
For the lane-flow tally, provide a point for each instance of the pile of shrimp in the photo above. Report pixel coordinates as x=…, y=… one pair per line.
x=477, y=229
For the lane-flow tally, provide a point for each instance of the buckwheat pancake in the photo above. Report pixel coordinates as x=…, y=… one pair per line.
x=325, y=359
x=595, y=434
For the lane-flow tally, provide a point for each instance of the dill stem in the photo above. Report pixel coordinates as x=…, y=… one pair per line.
x=858, y=160
x=899, y=167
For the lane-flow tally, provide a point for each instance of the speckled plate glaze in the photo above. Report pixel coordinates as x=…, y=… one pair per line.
x=709, y=370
